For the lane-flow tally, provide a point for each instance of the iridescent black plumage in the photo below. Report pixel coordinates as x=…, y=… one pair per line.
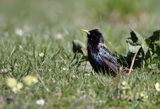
x=99, y=56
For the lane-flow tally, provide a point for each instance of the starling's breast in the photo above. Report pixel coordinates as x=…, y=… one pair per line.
x=96, y=61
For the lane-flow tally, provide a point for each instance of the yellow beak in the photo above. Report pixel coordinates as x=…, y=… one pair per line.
x=86, y=31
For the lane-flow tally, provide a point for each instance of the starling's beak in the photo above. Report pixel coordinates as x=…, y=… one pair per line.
x=86, y=31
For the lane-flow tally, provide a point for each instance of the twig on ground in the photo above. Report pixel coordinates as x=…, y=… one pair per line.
x=131, y=67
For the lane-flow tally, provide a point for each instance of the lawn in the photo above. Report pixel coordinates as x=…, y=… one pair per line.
x=36, y=40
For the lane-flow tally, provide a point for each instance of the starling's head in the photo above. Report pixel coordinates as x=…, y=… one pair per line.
x=94, y=36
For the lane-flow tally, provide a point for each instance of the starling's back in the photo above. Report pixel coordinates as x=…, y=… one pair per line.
x=102, y=60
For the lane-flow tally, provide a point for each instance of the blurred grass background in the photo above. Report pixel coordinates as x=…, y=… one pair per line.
x=112, y=17
x=29, y=27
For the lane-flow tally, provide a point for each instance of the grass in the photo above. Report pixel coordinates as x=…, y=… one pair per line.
x=29, y=28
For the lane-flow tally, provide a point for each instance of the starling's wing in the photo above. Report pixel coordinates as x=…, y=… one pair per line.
x=105, y=53
x=109, y=60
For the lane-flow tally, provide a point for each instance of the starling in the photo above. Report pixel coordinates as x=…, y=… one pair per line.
x=100, y=58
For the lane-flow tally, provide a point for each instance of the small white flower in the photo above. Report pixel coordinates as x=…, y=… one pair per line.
x=157, y=86
x=40, y=102
x=17, y=87
x=101, y=102
x=73, y=76
x=14, y=90
x=41, y=54
x=3, y=71
x=64, y=68
x=59, y=36
x=87, y=74
x=124, y=83
x=16, y=64
x=19, y=31
x=20, y=46
x=50, y=70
